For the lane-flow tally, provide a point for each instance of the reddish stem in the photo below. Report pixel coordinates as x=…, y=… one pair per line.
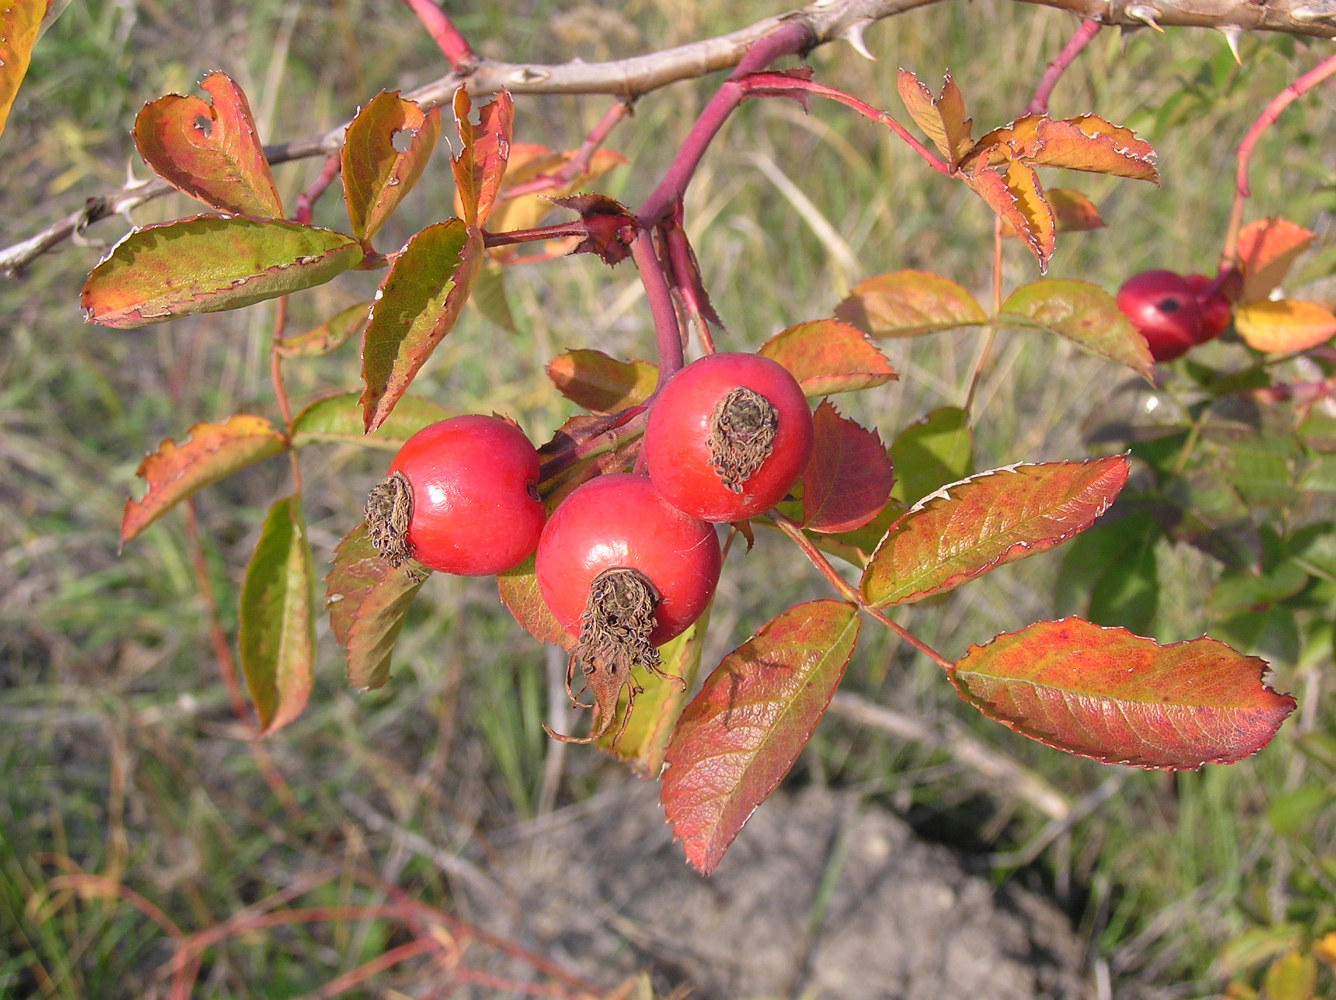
x=444, y=34
x=559, y=231
x=383, y=961
x=1084, y=34
x=667, y=330
x=790, y=37
x=307, y=199
x=579, y=163
x=686, y=278
x=1301, y=86
x=776, y=85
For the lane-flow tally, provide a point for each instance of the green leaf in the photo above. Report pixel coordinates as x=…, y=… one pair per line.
x=1110, y=574
x=209, y=453
x=935, y=450
x=827, y=356
x=1083, y=313
x=209, y=150
x=740, y=735
x=417, y=305
x=367, y=601
x=909, y=304
x=376, y=175
x=1293, y=976
x=277, y=635
x=338, y=420
x=599, y=383
x=1107, y=694
x=329, y=335
x=489, y=297
x=987, y=521
x=20, y=21
x=208, y=263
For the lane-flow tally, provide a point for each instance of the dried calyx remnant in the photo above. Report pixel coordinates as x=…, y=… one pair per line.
x=742, y=436
x=389, y=508
x=614, y=635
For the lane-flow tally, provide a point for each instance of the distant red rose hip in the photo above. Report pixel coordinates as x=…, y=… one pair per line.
x=1216, y=311
x=1163, y=307
x=728, y=436
x=461, y=497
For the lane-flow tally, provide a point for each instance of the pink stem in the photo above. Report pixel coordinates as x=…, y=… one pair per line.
x=774, y=85
x=578, y=163
x=685, y=279
x=1039, y=103
x=667, y=331
x=1264, y=121
x=444, y=34
x=307, y=199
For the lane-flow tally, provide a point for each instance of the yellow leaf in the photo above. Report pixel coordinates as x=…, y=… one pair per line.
x=942, y=119
x=1284, y=326
x=1267, y=248
x=20, y=21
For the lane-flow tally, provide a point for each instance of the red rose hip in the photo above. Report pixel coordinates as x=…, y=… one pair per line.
x=1216, y=311
x=461, y=497
x=1163, y=307
x=728, y=436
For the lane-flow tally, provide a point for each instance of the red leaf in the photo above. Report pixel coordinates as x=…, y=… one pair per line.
x=1267, y=249
x=211, y=452
x=367, y=602
x=209, y=151
x=276, y=638
x=848, y=478
x=20, y=23
x=828, y=356
x=1121, y=699
x=208, y=263
x=991, y=519
x=481, y=164
x=417, y=305
x=942, y=119
x=376, y=175
x=602, y=384
x=1083, y=313
x=909, y=303
x=740, y=735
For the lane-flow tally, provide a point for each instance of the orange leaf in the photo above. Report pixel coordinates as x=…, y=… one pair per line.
x=209, y=151
x=827, y=356
x=942, y=119
x=1018, y=200
x=376, y=175
x=1284, y=325
x=481, y=164
x=1267, y=249
x=909, y=303
x=209, y=453
x=600, y=383
x=20, y=23
x=1107, y=694
x=1086, y=143
x=1072, y=211
x=529, y=162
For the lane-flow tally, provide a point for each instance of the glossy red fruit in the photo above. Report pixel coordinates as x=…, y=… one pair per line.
x=1163, y=307
x=461, y=497
x=619, y=521
x=1216, y=310
x=728, y=436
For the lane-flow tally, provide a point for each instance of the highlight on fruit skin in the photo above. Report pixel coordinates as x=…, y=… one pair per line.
x=1163, y=306
x=728, y=436
x=461, y=497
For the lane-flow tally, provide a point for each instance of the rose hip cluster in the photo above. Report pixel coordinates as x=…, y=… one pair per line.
x=1173, y=312
x=626, y=561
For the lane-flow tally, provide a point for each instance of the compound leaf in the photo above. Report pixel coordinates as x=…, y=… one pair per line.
x=208, y=263
x=367, y=601
x=209, y=453
x=417, y=305
x=277, y=627
x=377, y=175
x=828, y=356
x=848, y=478
x=209, y=150
x=1107, y=694
x=909, y=304
x=740, y=735
x=991, y=519
x=1085, y=314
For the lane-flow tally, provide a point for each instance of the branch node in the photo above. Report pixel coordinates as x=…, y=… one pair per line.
x=1146, y=14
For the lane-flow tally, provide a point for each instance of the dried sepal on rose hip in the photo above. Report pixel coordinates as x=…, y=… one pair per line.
x=623, y=571
x=728, y=436
x=461, y=497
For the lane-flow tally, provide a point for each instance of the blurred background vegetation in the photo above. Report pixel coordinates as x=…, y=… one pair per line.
x=119, y=754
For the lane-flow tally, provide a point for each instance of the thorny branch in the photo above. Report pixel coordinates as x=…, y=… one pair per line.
x=824, y=21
